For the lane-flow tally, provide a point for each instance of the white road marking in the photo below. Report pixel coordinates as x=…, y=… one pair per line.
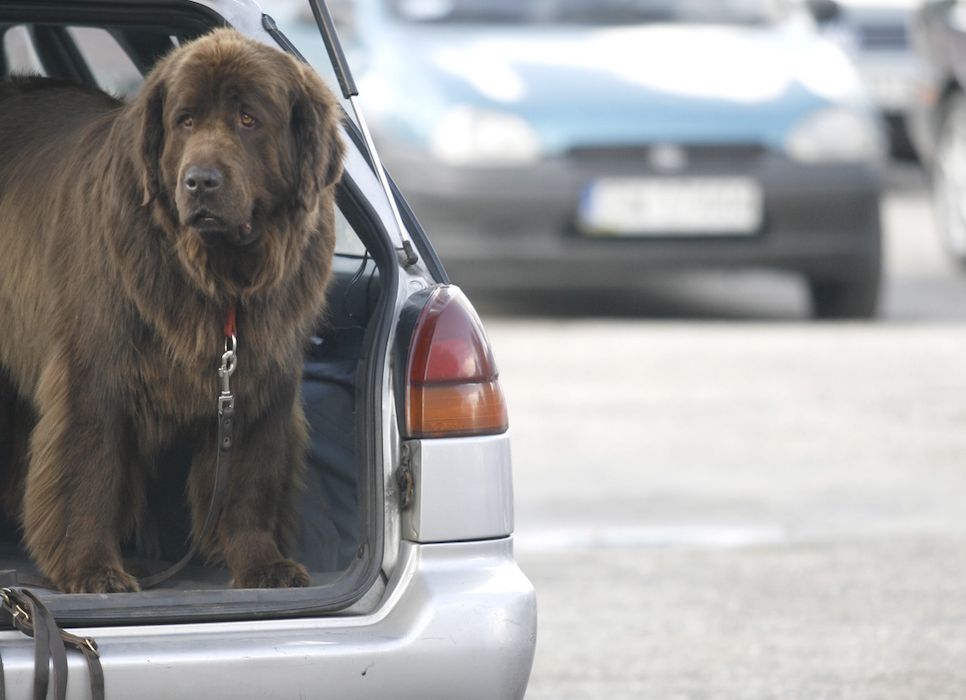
x=648, y=536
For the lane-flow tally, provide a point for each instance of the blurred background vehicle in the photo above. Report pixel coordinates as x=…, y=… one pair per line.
x=574, y=143
x=939, y=119
x=876, y=36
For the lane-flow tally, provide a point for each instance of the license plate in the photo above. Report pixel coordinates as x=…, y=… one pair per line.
x=694, y=206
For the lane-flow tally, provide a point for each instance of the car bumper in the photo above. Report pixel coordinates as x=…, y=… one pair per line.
x=457, y=620
x=516, y=228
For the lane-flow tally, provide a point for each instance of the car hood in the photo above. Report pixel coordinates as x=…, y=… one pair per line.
x=612, y=85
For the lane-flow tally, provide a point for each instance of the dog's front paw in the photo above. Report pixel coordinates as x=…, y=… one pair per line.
x=106, y=580
x=284, y=573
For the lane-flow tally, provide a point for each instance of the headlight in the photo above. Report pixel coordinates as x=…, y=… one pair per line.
x=482, y=137
x=836, y=135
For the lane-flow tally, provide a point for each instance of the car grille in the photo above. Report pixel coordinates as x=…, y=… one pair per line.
x=653, y=155
x=883, y=36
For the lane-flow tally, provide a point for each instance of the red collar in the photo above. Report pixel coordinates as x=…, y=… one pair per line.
x=231, y=328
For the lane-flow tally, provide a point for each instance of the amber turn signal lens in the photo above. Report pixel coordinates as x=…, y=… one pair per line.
x=453, y=388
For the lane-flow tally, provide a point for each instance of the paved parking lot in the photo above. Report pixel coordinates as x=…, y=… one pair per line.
x=719, y=499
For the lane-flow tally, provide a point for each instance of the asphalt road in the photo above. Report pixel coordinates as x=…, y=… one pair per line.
x=717, y=498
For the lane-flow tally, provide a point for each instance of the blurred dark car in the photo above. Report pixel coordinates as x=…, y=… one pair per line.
x=577, y=143
x=939, y=121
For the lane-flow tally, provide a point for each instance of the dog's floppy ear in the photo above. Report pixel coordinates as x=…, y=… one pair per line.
x=149, y=118
x=318, y=141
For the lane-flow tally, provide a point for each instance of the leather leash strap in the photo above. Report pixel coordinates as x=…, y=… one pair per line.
x=226, y=421
x=29, y=615
x=226, y=426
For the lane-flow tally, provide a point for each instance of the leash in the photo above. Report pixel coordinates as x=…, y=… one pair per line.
x=226, y=426
x=26, y=613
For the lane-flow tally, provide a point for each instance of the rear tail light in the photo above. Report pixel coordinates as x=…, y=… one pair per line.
x=452, y=386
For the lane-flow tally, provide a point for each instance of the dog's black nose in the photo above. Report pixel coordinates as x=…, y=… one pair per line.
x=198, y=180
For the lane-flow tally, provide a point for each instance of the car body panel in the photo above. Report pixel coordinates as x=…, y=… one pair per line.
x=533, y=235
x=463, y=489
x=940, y=38
x=939, y=120
x=457, y=620
x=635, y=84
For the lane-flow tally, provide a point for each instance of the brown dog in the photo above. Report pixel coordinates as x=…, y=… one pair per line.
x=126, y=235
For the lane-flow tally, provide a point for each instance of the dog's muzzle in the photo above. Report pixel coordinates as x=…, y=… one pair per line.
x=213, y=228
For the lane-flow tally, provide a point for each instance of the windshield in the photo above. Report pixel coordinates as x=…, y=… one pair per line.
x=590, y=11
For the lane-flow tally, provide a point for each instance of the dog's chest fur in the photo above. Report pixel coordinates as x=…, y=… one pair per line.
x=165, y=387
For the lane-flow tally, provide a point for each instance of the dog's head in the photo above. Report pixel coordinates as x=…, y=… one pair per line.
x=238, y=149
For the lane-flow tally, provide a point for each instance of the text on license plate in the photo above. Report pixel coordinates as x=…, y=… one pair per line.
x=666, y=206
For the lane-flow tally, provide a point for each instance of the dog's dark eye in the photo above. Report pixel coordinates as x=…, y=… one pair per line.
x=186, y=121
x=247, y=120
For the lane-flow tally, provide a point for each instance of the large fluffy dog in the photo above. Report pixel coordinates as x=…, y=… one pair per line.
x=127, y=232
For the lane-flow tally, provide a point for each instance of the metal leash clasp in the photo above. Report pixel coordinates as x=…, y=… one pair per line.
x=229, y=363
x=226, y=400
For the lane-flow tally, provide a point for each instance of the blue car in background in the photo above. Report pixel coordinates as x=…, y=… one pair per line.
x=579, y=143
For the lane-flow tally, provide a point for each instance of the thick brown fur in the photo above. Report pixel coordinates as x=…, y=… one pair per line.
x=115, y=280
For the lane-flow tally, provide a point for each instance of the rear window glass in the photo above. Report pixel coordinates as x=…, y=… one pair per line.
x=112, y=68
x=346, y=241
x=19, y=52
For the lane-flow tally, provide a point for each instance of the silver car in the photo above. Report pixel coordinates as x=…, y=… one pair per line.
x=407, y=517
x=876, y=34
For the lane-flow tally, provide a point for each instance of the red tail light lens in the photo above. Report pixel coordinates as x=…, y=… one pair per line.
x=453, y=385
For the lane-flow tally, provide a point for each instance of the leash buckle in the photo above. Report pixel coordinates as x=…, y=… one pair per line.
x=92, y=645
x=229, y=363
x=226, y=400
x=13, y=605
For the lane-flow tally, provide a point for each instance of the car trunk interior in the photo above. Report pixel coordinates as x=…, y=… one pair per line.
x=339, y=537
